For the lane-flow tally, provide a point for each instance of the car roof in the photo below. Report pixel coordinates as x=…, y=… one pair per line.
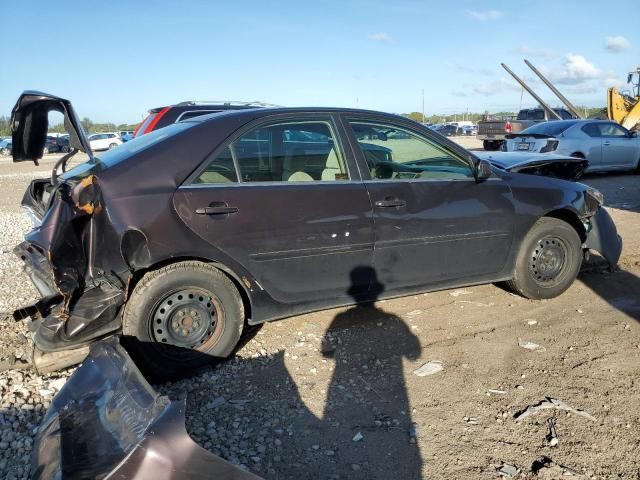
x=260, y=112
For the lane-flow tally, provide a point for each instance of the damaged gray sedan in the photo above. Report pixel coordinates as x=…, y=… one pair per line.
x=180, y=238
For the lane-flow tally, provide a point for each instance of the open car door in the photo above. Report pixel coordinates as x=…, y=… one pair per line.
x=30, y=122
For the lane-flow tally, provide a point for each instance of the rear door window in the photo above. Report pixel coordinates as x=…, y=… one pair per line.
x=592, y=130
x=298, y=151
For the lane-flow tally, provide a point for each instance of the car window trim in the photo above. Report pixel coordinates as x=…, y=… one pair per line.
x=464, y=155
x=329, y=117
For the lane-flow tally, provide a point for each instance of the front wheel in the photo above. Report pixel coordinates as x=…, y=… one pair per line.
x=181, y=317
x=548, y=261
x=112, y=146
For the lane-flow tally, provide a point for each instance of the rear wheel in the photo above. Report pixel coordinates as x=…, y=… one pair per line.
x=112, y=145
x=181, y=317
x=548, y=261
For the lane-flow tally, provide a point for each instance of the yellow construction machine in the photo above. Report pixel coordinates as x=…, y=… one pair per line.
x=624, y=107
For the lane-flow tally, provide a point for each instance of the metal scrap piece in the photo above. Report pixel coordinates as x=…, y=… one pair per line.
x=108, y=422
x=549, y=402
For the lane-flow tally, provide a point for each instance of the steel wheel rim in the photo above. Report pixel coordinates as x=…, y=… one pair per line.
x=548, y=260
x=190, y=318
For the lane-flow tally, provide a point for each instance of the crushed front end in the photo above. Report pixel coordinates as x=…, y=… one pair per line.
x=73, y=258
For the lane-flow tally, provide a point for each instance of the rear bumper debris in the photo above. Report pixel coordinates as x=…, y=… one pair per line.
x=108, y=422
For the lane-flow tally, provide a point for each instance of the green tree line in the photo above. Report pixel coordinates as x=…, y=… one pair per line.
x=588, y=112
x=88, y=125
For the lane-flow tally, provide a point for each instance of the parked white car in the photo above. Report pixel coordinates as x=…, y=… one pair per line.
x=606, y=145
x=104, y=141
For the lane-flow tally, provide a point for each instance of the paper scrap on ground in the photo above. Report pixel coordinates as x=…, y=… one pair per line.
x=429, y=368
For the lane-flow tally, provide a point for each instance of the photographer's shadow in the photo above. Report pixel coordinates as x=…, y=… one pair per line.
x=367, y=396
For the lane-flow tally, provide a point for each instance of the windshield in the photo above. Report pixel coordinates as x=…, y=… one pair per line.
x=549, y=128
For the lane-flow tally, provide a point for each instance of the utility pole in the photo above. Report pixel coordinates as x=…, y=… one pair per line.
x=423, y=119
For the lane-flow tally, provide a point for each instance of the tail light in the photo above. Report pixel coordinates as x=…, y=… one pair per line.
x=550, y=146
x=507, y=127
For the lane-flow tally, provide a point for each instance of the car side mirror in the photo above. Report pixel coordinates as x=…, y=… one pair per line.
x=483, y=170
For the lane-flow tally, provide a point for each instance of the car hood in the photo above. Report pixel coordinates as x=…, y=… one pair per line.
x=545, y=164
x=30, y=122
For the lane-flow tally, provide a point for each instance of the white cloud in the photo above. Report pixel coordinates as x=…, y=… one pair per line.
x=616, y=44
x=484, y=15
x=487, y=89
x=546, y=53
x=575, y=69
x=612, y=82
x=380, y=37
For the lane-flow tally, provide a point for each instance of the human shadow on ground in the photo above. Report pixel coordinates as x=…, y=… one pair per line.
x=359, y=426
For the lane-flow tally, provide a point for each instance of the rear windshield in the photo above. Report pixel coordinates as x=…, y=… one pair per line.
x=549, y=128
x=536, y=115
x=122, y=152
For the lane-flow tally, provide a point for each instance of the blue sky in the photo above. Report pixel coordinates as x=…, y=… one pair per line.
x=117, y=59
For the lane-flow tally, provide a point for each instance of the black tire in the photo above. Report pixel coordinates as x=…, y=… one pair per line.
x=548, y=261
x=112, y=145
x=167, y=344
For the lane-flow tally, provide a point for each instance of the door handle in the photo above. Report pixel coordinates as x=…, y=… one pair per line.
x=216, y=210
x=606, y=144
x=390, y=203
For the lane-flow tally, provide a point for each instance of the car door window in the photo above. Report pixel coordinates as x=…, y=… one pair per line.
x=300, y=151
x=612, y=130
x=591, y=129
x=395, y=153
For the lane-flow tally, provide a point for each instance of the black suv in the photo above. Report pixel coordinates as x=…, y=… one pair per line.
x=162, y=116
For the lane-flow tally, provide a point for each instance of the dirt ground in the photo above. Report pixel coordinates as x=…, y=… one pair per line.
x=313, y=384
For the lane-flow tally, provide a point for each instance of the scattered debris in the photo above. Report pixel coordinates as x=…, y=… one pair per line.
x=509, y=471
x=545, y=469
x=549, y=402
x=413, y=433
x=494, y=390
x=552, y=436
x=534, y=347
x=413, y=313
x=429, y=368
x=357, y=437
x=532, y=322
x=457, y=293
x=216, y=402
x=471, y=420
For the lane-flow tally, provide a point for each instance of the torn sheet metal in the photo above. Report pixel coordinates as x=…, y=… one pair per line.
x=544, y=164
x=603, y=237
x=76, y=262
x=107, y=422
